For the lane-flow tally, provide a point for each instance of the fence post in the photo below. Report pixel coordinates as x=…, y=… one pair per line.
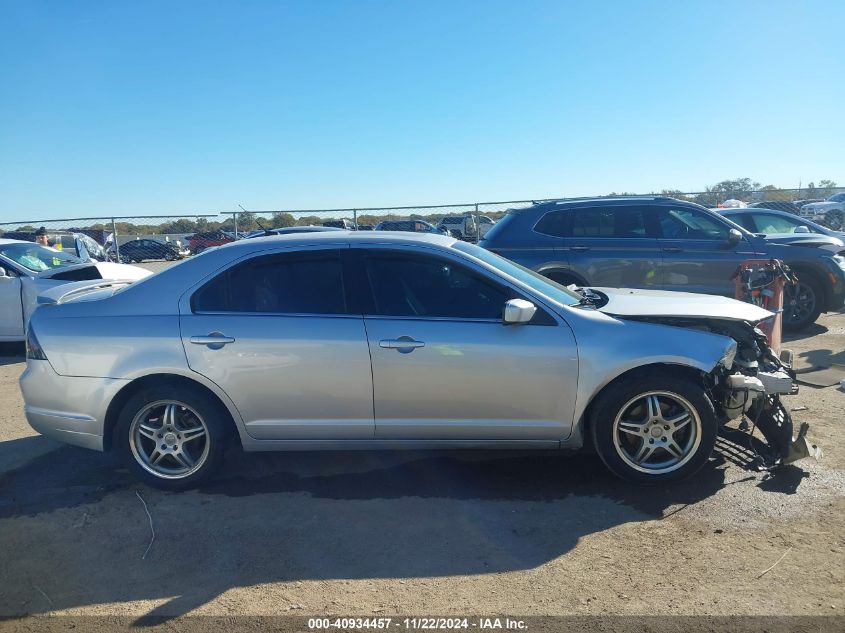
x=114, y=236
x=235, y=222
x=355, y=218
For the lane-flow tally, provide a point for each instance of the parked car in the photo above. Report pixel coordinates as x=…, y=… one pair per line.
x=81, y=246
x=27, y=269
x=660, y=243
x=143, y=249
x=246, y=342
x=831, y=211
x=198, y=242
x=341, y=223
x=412, y=226
x=801, y=203
x=780, y=225
x=288, y=230
x=466, y=227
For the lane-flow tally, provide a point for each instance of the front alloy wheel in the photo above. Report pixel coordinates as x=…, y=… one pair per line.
x=656, y=432
x=652, y=427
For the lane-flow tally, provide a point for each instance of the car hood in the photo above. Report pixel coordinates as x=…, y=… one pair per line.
x=627, y=302
x=810, y=240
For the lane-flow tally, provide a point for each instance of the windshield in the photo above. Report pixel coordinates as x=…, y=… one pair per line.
x=37, y=258
x=535, y=281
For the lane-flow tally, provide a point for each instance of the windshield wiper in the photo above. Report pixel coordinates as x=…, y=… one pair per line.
x=588, y=297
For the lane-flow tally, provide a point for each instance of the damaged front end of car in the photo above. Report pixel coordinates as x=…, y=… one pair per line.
x=748, y=385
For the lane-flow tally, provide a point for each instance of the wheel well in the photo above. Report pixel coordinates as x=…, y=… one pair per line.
x=685, y=371
x=564, y=277
x=123, y=396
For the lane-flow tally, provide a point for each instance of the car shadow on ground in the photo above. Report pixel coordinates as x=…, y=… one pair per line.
x=814, y=329
x=279, y=517
x=12, y=353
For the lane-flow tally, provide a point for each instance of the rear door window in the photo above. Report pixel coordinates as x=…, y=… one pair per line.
x=613, y=222
x=288, y=283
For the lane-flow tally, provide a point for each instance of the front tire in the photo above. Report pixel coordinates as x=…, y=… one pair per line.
x=802, y=303
x=172, y=436
x=653, y=428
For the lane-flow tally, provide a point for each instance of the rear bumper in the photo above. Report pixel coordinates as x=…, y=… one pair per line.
x=68, y=409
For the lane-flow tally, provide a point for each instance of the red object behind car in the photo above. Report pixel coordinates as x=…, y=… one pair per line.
x=198, y=242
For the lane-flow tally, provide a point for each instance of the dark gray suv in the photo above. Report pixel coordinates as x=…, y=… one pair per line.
x=660, y=243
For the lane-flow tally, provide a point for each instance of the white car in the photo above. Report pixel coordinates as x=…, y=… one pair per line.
x=28, y=269
x=831, y=211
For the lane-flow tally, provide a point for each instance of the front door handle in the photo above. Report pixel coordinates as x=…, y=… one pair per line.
x=214, y=340
x=672, y=249
x=579, y=247
x=403, y=344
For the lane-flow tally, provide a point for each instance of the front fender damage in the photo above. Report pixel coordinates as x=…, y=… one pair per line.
x=750, y=387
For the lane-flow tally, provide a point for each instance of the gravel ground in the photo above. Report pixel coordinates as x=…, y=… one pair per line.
x=425, y=533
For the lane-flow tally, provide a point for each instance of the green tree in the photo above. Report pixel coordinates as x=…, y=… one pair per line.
x=281, y=220
x=309, y=220
x=246, y=222
x=674, y=193
x=770, y=192
x=182, y=225
x=738, y=189
x=826, y=188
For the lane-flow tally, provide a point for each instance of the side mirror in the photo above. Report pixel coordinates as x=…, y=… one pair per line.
x=518, y=311
x=4, y=276
x=801, y=229
x=734, y=237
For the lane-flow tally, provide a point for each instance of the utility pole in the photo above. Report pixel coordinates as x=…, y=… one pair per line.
x=114, y=236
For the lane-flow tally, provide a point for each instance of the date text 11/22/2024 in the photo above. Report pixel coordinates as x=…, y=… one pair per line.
x=416, y=623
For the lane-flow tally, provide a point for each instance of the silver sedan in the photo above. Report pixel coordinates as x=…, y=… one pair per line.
x=344, y=340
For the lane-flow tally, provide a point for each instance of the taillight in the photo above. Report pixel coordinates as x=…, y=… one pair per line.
x=33, y=347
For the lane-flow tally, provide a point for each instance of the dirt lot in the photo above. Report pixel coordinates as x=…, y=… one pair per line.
x=433, y=533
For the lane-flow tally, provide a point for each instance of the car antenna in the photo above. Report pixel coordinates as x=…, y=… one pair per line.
x=257, y=221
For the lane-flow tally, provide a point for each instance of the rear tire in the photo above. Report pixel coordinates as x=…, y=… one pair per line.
x=172, y=436
x=802, y=303
x=653, y=428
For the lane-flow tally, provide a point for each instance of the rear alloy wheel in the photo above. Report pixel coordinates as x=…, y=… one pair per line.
x=172, y=437
x=650, y=429
x=801, y=303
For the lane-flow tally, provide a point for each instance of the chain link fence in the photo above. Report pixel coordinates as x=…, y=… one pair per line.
x=157, y=241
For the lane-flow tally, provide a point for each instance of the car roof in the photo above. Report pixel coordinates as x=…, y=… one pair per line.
x=544, y=205
x=7, y=241
x=341, y=237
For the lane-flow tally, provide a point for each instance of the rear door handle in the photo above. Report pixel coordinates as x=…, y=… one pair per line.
x=215, y=340
x=403, y=344
x=579, y=247
x=672, y=249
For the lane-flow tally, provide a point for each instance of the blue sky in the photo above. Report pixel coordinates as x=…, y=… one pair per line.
x=165, y=107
